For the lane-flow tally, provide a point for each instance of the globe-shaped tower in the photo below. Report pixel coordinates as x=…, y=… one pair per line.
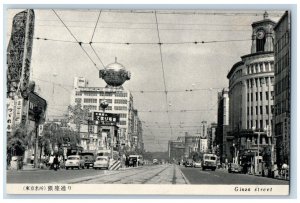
x=114, y=74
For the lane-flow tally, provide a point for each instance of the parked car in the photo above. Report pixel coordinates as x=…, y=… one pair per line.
x=101, y=162
x=89, y=159
x=197, y=164
x=189, y=163
x=235, y=168
x=74, y=161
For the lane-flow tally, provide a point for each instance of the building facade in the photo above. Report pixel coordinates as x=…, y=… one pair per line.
x=223, y=140
x=251, y=94
x=120, y=102
x=176, y=150
x=282, y=106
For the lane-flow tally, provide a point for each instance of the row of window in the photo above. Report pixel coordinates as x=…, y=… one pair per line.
x=260, y=67
x=261, y=123
x=109, y=94
x=282, y=63
x=260, y=110
x=120, y=101
x=90, y=107
x=257, y=82
x=120, y=108
x=282, y=107
x=282, y=85
x=259, y=96
x=107, y=100
x=282, y=42
x=89, y=100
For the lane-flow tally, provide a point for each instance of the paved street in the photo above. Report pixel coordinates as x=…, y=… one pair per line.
x=220, y=176
x=156, y=174
x=49, y=176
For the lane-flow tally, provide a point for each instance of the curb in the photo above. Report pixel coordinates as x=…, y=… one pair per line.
x=185, y=179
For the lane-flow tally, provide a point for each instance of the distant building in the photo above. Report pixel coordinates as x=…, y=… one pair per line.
x=176, y=150
x=223, y=141
x=211, y=141
x=191, y=144
x=120, y=102
x=282, y=106
x=251, y=94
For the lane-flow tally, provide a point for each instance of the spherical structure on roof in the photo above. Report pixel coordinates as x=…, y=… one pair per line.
x=114, y=74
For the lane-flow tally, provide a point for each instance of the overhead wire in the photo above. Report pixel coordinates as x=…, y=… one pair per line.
x=163, y=73
x=91, y=41
x=79, y=43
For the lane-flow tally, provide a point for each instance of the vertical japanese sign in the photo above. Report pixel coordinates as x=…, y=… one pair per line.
x=19, y=110
x=10, y=114
x=19, y=52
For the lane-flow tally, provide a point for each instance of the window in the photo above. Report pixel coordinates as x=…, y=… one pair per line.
x=77, y=100
x=256, y=110
x=251, y=96
x=267, y=109
x=121, y=94
x=248, y=97
x=123, y=115
x=120, y=101
x=251, y=111
x=90, y=93
x=272, y=95
x=120, y=108
x=247, y=110
x=122, y=122
x=260, y=96
x=256, y=96
x=261, y=123
x=90, y=100
x=261, y=109
x=78, y=93
x=267, y=95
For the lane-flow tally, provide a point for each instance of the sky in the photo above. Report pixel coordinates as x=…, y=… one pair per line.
x=200, y=67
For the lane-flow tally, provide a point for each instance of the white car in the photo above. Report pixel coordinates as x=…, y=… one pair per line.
x=74, y=161
x=101, y=162
x=197, y=164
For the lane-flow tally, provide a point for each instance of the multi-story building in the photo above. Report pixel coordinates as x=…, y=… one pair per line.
x=191, y=144
x=223, y=140
x=251, y=94
x=282, y=90
x=176, y=150
x=211, y=141
x=120, y=102
x=137, y=132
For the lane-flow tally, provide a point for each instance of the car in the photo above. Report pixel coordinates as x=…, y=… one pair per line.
x=101, y=162
x=74, y=161
x=89, y=159
x=138, y=159
x=189, y=163
x=235, y=168
x=197, y=164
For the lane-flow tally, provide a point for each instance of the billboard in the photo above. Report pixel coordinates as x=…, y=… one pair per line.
x=19, y=52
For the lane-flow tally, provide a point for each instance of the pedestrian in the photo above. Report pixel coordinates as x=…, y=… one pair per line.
x=126, y=161
x=55, y=163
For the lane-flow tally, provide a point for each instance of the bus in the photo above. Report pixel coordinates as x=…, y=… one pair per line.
x=209, y=161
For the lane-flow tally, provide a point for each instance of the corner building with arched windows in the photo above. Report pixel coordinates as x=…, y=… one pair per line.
x=251, y=98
